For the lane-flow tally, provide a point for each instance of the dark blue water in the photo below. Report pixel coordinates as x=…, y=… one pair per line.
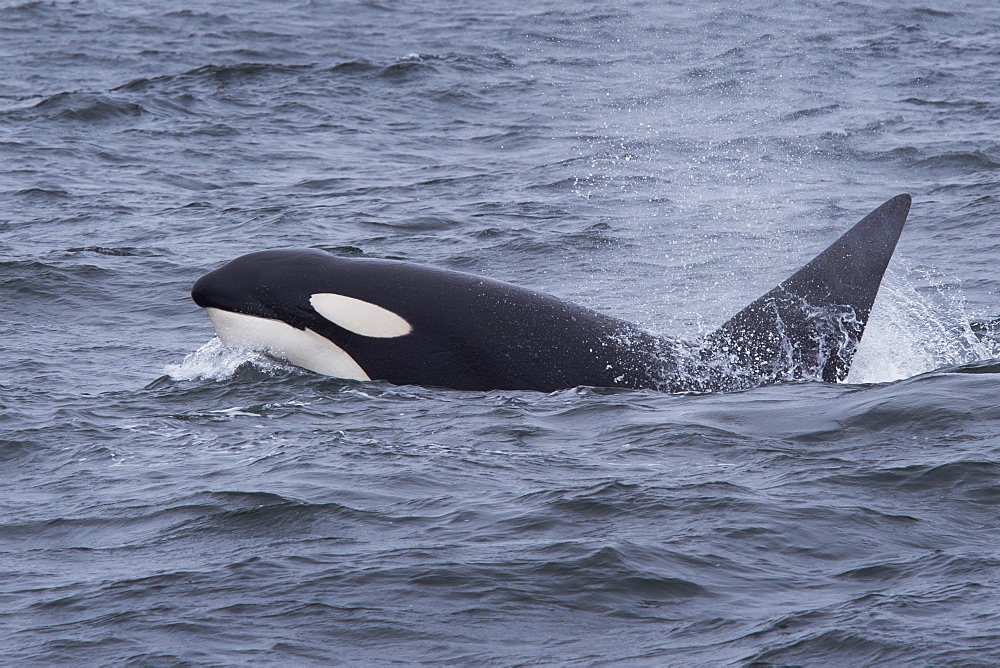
x=165, y=501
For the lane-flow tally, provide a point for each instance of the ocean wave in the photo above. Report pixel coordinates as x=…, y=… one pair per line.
x=88, y=107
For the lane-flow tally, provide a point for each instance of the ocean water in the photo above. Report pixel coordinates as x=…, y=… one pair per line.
x=167, y=501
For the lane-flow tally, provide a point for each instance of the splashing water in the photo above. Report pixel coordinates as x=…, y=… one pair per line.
x=910, y=333
x=215, y=361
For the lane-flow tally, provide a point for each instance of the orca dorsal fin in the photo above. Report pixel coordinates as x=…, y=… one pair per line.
x=812, y=322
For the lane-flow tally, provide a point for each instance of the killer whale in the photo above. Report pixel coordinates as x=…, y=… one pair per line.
x=408, y=324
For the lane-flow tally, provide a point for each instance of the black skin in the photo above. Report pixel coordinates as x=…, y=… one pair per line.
x=474, y=333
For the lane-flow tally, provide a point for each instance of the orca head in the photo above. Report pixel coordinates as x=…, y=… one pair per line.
x=261, y=285
x=292, y=304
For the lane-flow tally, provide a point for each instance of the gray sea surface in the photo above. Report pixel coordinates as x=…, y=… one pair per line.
x=168, y=501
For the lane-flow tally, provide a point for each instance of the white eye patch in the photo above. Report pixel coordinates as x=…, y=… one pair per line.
x=359, y=316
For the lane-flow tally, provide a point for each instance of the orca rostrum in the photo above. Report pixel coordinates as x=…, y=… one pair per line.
x=373, y=319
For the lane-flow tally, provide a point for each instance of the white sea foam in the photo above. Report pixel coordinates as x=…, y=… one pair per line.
x=214, y=361
x=911, y=332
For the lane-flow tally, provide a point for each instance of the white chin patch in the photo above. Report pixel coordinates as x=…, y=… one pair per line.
x=304, y=348
x=360, y=317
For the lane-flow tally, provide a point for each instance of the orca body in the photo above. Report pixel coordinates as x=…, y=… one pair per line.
x=371, y=319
